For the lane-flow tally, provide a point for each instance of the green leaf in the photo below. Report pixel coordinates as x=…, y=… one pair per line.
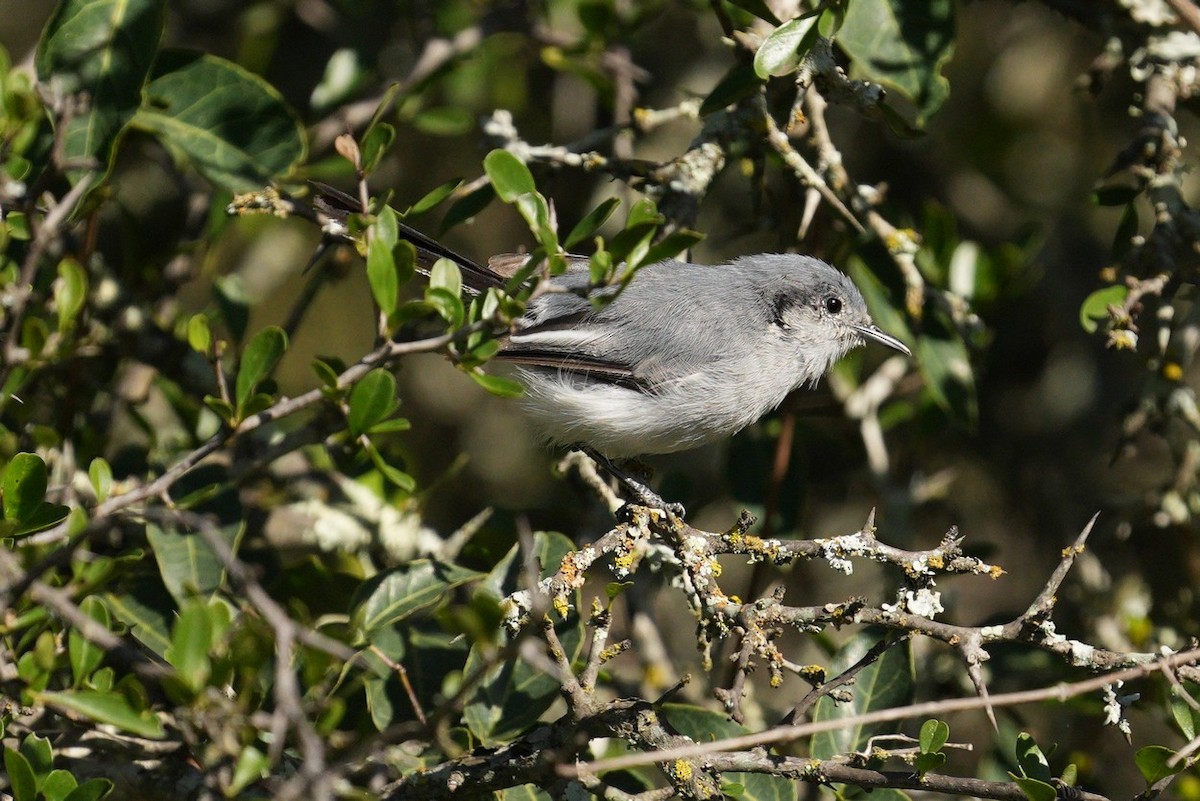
x=381, y=264
x=326, y=373
x=514, y=694
x=934, y=734
x=1185, y=717
x=106, y=707
x=20, y=776
x=1152, y=762
x=446, y=275
x=497, y=384
x=58, y=785
x=258, y=360
x=40, y=755
x=397, y=594
x=433, y=198
x=885, y=683
x=1031, y=760
x=83, y=655
x=671, y=246
x=781, y=52
x=393, y=426
x=187, y=565
x=758, y=8
x=23, y=486
x=509, y=175
x=101, y=477
x=104, y=49
x=705, y=726
x=375, y=145
x=946, y=366
x=1036, y=790
x=372, y=399
x=191, y=638
x=903, y=46
x=252, y=765
x=444, y=121
x=233, y=125
x=590, y=222
x=468, y=206
x=1095, y=306
x=740, y=82
x=929, y=761
x=448, y=305
x=70, y=292
x=91, y=790
x=144, y=611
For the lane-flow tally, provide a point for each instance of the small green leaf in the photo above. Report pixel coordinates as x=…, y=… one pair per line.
x=70, y=292
x=252, y=765
x=387, y=227
x=929, y=761
x=1070, y=775
x=91, y=790
x=509, y=175
x=444, y=121
x=1095, y=306
x=84, y=656
x=1031, y=760
x=934, y=734
x=20, y=776
x=23, y=486
x=1152, y=762
x=671, y=246
x=433, y=197
x=259, y=359
x=372, y=400
x=101, y=477
x=325, y=373
x=40, y=755
x=446, y=275
x=199, y=334
x=381, y=273
x=1036, y=790
x=375, y=145
x=498, y=385
x=395, y=476
x=448, y=305
x=468, y=206
x=222, y=408
x=191, y=638
x=58, y=785
x=781, y=52
x=393, y=426
x=740, y=82
x=397, y=594
x=111, y=707
x=590, y=222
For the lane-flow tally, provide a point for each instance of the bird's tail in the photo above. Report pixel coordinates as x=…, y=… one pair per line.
x=476, y=277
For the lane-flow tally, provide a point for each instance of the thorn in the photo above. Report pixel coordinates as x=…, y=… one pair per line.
x=812, y=199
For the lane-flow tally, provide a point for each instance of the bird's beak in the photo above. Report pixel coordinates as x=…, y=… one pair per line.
x=876, y=333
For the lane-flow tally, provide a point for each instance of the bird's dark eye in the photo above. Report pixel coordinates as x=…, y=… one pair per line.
x=833, y=305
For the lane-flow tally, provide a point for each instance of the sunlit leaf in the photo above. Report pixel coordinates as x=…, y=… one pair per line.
x=230, y=123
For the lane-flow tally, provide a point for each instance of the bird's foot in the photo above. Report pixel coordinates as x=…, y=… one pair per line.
x=636, y=491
